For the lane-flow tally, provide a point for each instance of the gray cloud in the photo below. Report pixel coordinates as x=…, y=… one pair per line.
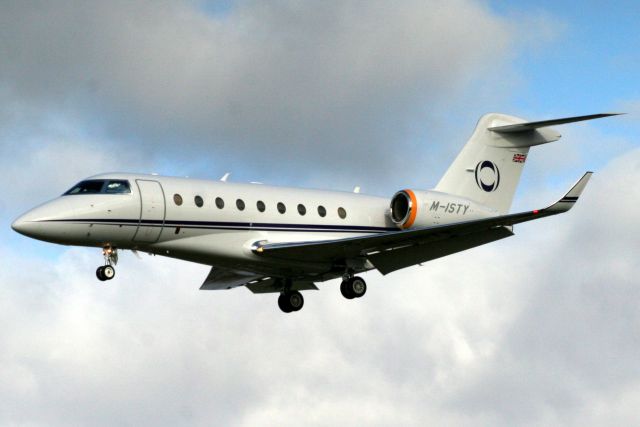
x=282, y=83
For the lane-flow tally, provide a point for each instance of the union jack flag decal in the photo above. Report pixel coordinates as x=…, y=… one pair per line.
x=519, y=158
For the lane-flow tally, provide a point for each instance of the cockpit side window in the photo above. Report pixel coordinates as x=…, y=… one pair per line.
x=90, y=186
x=100, y=186
x=117, y=187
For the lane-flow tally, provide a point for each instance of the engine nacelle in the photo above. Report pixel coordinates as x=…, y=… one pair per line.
x=411, y=208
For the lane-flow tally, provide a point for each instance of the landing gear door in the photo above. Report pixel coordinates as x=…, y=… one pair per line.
x=152, y=211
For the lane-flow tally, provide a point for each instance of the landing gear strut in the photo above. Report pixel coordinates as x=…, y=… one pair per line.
x=353, y=287
x=107, y=271
x=289, y=301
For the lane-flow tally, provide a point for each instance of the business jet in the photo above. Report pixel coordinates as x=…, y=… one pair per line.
x=286, y=240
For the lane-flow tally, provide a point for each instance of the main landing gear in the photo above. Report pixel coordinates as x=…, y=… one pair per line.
x=289, y=301
x=353, y=287
x=107, y=271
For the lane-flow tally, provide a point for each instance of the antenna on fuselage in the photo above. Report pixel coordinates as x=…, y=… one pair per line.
x=225, y=177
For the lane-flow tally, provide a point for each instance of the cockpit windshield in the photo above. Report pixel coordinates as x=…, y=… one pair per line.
x=117, y=187
x=100, y=186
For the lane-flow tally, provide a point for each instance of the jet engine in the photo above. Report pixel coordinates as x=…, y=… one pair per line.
x=413, y=208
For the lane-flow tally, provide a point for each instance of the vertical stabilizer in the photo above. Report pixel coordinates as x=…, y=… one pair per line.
x=489, y=166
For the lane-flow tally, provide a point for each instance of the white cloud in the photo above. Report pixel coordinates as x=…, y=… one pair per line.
x=574, y=342
x=481, y=336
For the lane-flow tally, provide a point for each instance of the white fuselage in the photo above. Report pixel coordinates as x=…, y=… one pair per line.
x=160, y=215
x=149, y=219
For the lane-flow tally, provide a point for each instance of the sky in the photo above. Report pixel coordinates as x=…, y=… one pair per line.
x=538, y=329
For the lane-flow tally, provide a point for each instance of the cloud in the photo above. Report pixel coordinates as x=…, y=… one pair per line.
x=476, y=337
x=151, y=347
x=283, y=85
x=327, y=95
x=575, y=342
x=45, y=166
x=540, y=328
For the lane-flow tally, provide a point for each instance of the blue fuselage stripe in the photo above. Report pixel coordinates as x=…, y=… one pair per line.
x=230, y=225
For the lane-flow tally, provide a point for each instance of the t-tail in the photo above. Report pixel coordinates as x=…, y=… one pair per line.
x=488, y=168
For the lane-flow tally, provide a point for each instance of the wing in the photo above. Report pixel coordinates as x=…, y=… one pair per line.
x=398, y=249
x=221, y=278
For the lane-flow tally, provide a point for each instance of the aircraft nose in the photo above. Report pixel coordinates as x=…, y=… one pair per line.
x=18, y=225
x=25, y=226
x=44, y=222
x=37, y=223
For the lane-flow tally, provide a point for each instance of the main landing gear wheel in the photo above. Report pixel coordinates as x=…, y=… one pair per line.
x=106, y=272
x=290, y=301
x=353, y=287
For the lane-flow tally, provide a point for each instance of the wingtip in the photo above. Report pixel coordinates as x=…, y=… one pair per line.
x=579, y=186
x=572, y=196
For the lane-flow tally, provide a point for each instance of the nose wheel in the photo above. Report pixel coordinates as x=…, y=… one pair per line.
x=107, y=271
x=353, y=287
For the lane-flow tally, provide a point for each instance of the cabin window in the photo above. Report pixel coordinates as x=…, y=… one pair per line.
x=117, y=187
x=281, y=207
x=342, y=213
x=260, y=205
x=322, y=211
x=301, y=209
x=177, y=199
x=219, y=203
x=198, y=201
x=240, y=204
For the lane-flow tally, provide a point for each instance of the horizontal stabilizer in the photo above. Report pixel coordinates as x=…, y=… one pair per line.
x=528, y=126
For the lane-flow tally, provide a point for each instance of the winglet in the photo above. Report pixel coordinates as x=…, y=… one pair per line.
x=571, y=197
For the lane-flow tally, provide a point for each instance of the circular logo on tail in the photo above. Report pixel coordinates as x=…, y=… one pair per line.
x=487, y=176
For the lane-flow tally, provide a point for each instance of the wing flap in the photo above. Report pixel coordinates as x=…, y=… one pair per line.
x=396, y=259
x=271, y=285
x=220, y=278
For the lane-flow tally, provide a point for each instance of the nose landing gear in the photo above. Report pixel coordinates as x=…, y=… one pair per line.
x=107, y=271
